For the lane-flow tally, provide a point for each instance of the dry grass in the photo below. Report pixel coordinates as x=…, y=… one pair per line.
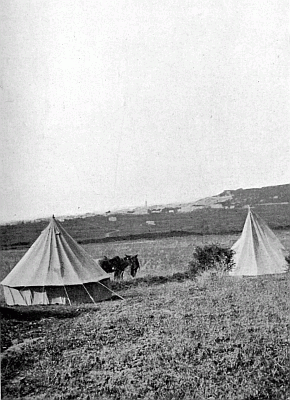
x=228, y=340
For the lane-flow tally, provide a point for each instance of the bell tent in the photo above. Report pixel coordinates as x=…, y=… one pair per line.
x=56, y=270
x=258, y=251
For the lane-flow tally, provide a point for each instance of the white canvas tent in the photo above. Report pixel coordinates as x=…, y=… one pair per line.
x=56, y=270
x=258, y=251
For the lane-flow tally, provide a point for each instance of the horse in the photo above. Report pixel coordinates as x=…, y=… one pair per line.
x=131, y=261
x=109, y=265
x=134, y=264
x=118, y=265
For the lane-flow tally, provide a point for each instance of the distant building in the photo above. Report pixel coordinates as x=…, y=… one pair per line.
x=155, y=211
x=164, y=210
x=217, y=205
x=170, y=209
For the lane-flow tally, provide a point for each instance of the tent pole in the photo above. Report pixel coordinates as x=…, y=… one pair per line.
x=112, y=291
x=89, y=294
x=24, y=298
x=67, y=295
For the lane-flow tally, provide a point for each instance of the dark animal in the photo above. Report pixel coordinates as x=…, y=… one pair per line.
x=134, y=264
x=131, y=261
x=118, y=265
x=109, y=265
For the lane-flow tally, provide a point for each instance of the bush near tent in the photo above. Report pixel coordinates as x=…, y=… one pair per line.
x=211, y=258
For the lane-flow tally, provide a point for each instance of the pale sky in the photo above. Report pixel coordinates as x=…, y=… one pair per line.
x=106, y=104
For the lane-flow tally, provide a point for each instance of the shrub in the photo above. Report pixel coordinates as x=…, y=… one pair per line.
x=211, y=258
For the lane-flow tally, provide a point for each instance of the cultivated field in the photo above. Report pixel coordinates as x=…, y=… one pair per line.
x=214, y=338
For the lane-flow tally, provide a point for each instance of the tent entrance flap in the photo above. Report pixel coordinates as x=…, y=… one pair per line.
x=66, y=295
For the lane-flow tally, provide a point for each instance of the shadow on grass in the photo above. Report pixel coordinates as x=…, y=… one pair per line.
x=33, y=313
x=149, y=280
x=37, y=312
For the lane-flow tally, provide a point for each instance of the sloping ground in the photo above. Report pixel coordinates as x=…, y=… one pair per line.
x=278, y=194
x=254, y=196
x=222, y=338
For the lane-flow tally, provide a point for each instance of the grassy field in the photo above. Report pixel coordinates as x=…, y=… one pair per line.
x=99, y=228
x=157, y=257
x=210, y=338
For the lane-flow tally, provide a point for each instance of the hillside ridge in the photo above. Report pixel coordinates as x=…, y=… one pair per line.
x=221, y=214
x=237, y=198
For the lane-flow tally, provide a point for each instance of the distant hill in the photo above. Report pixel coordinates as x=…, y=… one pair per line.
x=220, y=214
x=228, y=199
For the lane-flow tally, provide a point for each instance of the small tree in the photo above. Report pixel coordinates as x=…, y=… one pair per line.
x=211, y=258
